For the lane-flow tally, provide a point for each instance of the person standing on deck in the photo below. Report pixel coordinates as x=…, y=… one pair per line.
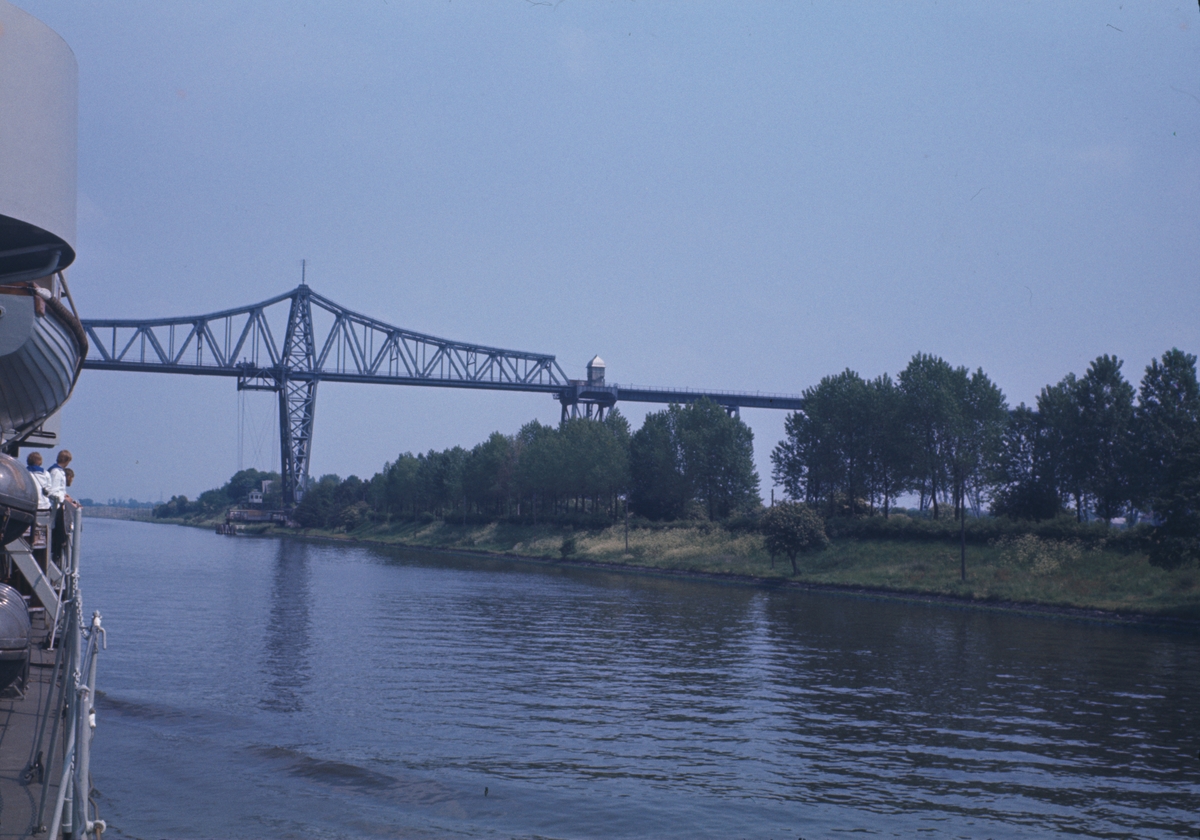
x=57, y=485
x=34, y=464
x=36, y=532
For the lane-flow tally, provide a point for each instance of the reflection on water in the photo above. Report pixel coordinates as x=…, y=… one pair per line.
x=592, y=704
x=286, y=666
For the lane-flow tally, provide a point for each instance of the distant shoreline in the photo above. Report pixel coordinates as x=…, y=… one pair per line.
x=721, y=569
x=118, y=512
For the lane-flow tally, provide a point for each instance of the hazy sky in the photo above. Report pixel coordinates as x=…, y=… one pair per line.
x=735, y=196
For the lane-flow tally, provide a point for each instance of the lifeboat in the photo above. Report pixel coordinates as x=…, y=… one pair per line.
x=42, y=347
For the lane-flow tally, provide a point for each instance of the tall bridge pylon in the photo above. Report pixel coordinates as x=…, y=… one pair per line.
x=294, y=341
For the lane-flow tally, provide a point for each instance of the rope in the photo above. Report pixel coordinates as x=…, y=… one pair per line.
x=62, y=278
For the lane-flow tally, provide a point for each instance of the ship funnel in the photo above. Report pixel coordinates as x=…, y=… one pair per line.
x=38, y=102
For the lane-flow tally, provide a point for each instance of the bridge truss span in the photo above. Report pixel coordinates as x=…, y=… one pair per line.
x=292, y=342
x=347, y=346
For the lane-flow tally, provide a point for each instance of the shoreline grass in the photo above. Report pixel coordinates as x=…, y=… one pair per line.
x=1020, y=571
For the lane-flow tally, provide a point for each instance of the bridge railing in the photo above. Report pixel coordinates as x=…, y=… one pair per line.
x=743, y=399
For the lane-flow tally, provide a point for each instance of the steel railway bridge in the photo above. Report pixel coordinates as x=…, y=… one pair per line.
x=322, y=341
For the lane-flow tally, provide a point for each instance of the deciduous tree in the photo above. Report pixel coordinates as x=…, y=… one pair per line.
x=1022, y=471
x=792, y=528
x=1106, y=420
x=717, y=455
x=826, y=457
x=1168, y=412
x=932, y=413
x=1066, y=463
x=658, y=487
x=1176, y=536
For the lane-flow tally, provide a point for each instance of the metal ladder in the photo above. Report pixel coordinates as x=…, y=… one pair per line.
x=22, y=556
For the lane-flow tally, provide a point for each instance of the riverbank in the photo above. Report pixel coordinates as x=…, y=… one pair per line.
x=1022, y=573
x=139, y=514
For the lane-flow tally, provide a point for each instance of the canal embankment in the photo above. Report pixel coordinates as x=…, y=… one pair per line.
x=1023, y=572
x=139, y=514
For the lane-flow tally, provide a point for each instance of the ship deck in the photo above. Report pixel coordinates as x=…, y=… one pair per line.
x=19, y=722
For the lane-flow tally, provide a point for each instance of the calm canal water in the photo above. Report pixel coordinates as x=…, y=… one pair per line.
x=273, y=688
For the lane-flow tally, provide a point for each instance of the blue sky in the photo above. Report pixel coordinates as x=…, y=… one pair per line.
x=735, y=196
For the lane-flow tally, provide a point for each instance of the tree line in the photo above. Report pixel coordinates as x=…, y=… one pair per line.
x=692, y=461
x=218, y=500
x=1092, y=445
x=684, y=460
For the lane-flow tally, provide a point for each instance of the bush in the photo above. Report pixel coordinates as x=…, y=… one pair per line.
x=746, y=521
x=1170, y=549
x=792, y=528
x=354, y=515
x=1040, y=556
x=177, y=507
x=988, y=529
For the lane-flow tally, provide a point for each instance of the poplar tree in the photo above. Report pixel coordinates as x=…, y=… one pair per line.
x=1106, y=420
x=658, y=488
x=1168, y=412
x=1062, y=429
x=889, y=447
x=1022, y=471
x=826, y=457
x=717, y=457
x=1176, y=536
x=691, y=453
x=931, y=413
x=975, y=436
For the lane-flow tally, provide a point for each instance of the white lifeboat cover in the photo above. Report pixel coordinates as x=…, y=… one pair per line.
x=39, y=92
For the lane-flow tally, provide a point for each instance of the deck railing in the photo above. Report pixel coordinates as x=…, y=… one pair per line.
x=70, y=700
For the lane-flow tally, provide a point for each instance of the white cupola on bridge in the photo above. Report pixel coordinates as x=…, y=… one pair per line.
x=595, y=370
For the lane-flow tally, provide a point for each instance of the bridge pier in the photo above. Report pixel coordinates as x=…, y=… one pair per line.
x=588, y=410
x=297, y=398
x=583, y=400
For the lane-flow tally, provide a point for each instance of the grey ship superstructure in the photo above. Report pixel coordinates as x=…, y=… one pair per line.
x=47, y=649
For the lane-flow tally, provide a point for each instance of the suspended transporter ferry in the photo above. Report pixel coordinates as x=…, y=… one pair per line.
x=48, y=649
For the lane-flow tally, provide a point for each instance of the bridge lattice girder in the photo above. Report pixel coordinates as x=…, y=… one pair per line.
x=339, y=345
x=348, y=347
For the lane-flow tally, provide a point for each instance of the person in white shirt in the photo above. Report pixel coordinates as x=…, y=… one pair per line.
x=60, y=479
x=57, y=484
x=33, y=462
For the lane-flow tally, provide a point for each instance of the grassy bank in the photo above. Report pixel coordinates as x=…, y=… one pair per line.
x=142, y=514
x=1024, y=570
